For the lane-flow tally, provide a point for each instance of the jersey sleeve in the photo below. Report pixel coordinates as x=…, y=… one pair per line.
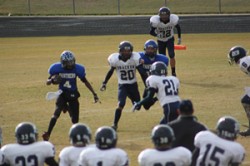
x=54, y=69
x=112, y=59
x=137, y=58
x=48, y=149
x=80, y=71
x=174, y=19
x=1, y=157
x=63, y=158
x=123, y=157
x=239, y=154
x=154, y=21
x=198, y=139
x=142, y=157
x=151, y=83
x=186, y=156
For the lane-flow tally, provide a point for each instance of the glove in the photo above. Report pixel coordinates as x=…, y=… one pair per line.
x=103, y=87
x=136, y=106
x=179, y=41
x=96, y=98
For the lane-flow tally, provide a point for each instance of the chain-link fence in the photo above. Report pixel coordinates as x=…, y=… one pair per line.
x=120, y=7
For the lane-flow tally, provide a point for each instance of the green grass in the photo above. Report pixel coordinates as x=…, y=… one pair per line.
x=206, y=78
x=127, y=7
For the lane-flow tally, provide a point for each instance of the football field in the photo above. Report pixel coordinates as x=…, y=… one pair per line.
x=205, y=76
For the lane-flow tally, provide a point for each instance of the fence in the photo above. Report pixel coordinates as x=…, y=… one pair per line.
x=121, y=7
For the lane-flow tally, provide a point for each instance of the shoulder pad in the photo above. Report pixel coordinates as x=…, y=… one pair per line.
x=113, y=58
x=174, y=19
x=154, y=20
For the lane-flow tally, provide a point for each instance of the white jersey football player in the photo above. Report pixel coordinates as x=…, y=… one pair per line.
x=166, y=89
x=80, y=136
x=220, y=148
x=238, y=55
x=27, y=151
x=126, y=62
x=162, y=27
x=162, y=154
x=105, y=153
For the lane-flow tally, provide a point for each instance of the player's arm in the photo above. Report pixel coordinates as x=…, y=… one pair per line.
x=89, y=86
x=49, y=80
x=152, y=31
x=108, y=76
x=143, y=73
x=178, y=28
x=51, y=161
x=195, y=156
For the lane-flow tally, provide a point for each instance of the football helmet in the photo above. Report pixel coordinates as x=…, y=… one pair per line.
x=150, y=48
x=26, y=133
x=105, y=137
x=162, y=135
x=79, y=134
x=228, y=127
x=125, y=50
x=158, y=68
x=67, y=60
x=164, y=13
x=236, y=53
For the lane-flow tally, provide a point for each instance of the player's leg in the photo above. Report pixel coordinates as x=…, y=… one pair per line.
x=162, y=47
x=170, y=112
x=245, y=101
x=60, y=105
x=74, y=111
x=122, y=95
x=149, y=103
x=133, y=93
x=171, y=53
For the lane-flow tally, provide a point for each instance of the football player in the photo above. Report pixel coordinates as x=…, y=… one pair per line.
x=238, y=55
x=105, y=153
x=68, y=70
x=166, y=89
x=125, y=62
x=80, y=136
x=219, y=148
x=150, y=56
x=162, y=27
x=27, y=150
x=163, y=154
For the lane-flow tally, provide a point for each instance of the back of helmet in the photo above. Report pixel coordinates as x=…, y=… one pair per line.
x=80, y=134
x=26, y=133
x=105, y=137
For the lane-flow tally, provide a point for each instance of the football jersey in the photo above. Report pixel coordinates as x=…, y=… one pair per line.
x=176, y=156
x=217, y=151
x=109, y=157
x=68, y=82
x=69, y=156
x=167, y=88
x=28, y=155
x=149, y=61
x=164, y=31
x=245, y=65
x=125, y=71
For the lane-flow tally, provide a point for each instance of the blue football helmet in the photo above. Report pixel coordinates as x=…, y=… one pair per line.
x=158, y=68
x=26, y=133
x=67, y=60
x=236, y=53
x=150, y=48
x=125, y=50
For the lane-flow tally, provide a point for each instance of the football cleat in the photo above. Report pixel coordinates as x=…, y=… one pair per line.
x=46, y=136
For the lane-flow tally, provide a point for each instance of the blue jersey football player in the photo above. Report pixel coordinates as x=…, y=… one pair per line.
x=150, y=56
x=64, y=74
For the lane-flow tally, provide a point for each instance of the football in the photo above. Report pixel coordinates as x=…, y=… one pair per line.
x=56, y=79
